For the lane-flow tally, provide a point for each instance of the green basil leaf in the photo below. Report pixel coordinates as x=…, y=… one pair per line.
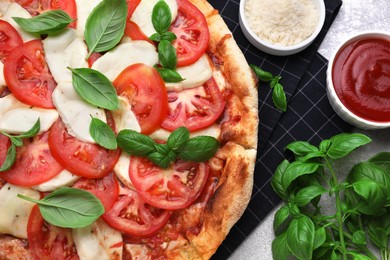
x=369, y=171
x=301, y=148
x=279, y=97
x=105, y=25
x=377, y=234
x=275, y=81
x=69, y=207
x=161, y=17
x=300, y=237
x=95, y=88
x=156, y=37
x=167, y=55
x=102, y=134
x=305, y=195
x=319, y=237
x=359, y=237
x=135, y=143
x=169, y=36
x=178, y=138
x=46, y=23
x=279, y=247
x=343, y=144
x=276, y=181
x=281, y=220
x=9, y=159
x=163, y=156
x=382, y=160
x=358, y=256
x=33, y=131
x=169, y=76
x=324, y=145
x=318, y=154
x=296, y=169
x=14, y=139
x=374, y=194
x=264, y=76
x=199, y=149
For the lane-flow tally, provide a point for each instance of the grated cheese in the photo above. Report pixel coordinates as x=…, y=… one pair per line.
x=282, y=22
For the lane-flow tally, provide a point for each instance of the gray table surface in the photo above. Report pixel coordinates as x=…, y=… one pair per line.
x=354, y=16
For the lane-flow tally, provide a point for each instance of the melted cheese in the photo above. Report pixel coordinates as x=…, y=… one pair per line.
x=124, y=117
x=213, y=131
x=121, y=170
x=63, y=179
x=84, y=8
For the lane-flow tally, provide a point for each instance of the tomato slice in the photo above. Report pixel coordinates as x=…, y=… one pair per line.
x=192, y=32
x=47, y=241
x=27, y=75
x=131, y=6
x=9, y=39
x=194, y=108
x=36, y=7
x=81, y=158
x=132, y=216
x=34, y=162
x=133, y=31
x=106, y=189
x=145, y=89
x=173, y=188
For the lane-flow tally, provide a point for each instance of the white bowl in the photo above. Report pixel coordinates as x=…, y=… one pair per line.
x=346, y=114
x=280, y=50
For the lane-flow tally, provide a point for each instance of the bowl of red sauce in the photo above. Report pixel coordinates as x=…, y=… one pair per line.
x=358, y=80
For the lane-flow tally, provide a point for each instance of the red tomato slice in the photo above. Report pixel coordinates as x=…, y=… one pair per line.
x=81, y=158
x=192, y=33
x=131, y=6
x=105, y=189
x=145, y=89
x=132, y=216
x=194, y=108
x=173, y=188
x=48, y=242
x=27, y=75
x=36, y=7
x=94, y=57
x=34, y=162
x=9, y=39
x=134, y=32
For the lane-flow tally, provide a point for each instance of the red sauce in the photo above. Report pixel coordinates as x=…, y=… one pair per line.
x=361, y=78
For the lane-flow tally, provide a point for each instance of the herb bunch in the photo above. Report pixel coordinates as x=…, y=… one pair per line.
x=362, y=201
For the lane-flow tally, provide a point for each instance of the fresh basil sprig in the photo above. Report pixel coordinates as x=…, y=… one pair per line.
x=95, y=88
x=278, y=95
x=169, y=75
x=46, y=23
x=69, y=207
x=105, y=26
x=167, y=55
x=161, y=17
x=16, y=141
x=102, y=134
x=179, y=145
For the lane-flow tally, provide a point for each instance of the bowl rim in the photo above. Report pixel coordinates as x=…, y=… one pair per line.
x=330, y=86
x=304, y=43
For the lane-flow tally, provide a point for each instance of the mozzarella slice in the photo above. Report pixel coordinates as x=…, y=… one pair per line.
x=63, y=179
x=194, y=75
x=98, y=241
x=2, y=80
x=142, y=15
x=84, y=8
x=15, y=211
x=213, y=131
x=64, y=50
x=16, y=117
x=124, y=117
x=75, y=112
x=121, y=170
x=16, y=10
x=112, y=63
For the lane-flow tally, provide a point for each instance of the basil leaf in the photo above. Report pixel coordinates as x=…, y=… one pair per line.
x=276, y=181
x=370, y=172
x=199, y=149
x=279, y=247
x=296, y=169
x=377, y=234
x=135, y=143
x=102, y=134
x=373, y=193
x=343, y=144
x=14, y=139
x=359, y=237
x=301, y=148
x=382, y=160
x=169, y=36
x=161, y=17
x=264, y=76
x=275, y=81
x=95, y=88
x=281, y=220
x=46, y=23
x=300, y=237
x=33, y=131
x=178, y=138
x=305, y=195
x=358, y=256
x=319, y=237
x=163, y=156
x=170, y=76
x=69, y=207
x=279, y=97
x=167, y=55
x=324, y=145
x=156, y=37
x=9, y=159
x=105, y=25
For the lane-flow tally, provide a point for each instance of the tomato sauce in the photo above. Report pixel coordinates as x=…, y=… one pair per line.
x=361, y=78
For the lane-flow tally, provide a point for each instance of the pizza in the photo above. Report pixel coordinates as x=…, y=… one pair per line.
x=154, y=208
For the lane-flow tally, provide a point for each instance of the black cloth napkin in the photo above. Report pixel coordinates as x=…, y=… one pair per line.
x=309, y=116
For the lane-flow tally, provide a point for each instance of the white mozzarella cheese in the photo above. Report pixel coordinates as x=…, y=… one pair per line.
x=84, y=8
x=16, y=10
x=98, y=241
x=63, y=179
x=142, y=15
x=112, y=63
x=16, y=117
x=213, y=131
x=194, y=75
x=124, y=117
x=2, y=80
x=75, y=112
x=15, y=211
x=121, y=170
x=64, y=50
x=3, y=7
